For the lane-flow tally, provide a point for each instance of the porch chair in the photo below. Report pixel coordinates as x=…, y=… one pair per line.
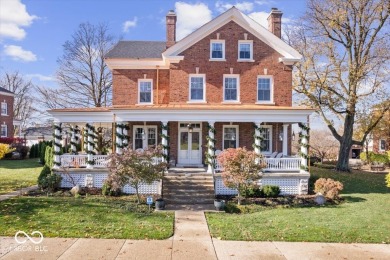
x=275, y=163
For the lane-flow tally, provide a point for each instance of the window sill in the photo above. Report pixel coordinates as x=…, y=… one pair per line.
x=196, y=102
x=265, y=103
x=4, y=114
x=211, y=59
x=243, y=60
x=231, y=102
x=144, y=104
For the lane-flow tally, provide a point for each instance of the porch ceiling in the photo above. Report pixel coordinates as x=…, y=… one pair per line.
x=216, y=113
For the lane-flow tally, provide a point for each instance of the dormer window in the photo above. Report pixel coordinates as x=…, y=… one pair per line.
x=245, y=50
x=145, y=90
x=217, y=50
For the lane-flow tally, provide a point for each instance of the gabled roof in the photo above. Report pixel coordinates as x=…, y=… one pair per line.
x=137, y=50
x=233, y=14
x=3, y=90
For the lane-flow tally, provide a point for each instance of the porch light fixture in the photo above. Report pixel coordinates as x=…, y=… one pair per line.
x=281, y=136
x=190, y=128
x=293, y=136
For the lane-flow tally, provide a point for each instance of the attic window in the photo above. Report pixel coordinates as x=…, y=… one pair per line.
x=217, y=50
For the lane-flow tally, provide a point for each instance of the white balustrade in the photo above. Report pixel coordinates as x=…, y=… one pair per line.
x=100, y=161
x=77, y=161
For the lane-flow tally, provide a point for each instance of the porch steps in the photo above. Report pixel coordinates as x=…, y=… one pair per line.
x=188, y=189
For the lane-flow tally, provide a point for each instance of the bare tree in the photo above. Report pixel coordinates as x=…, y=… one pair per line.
x=23, y=89
x=323, y=144
x=346, y=55
x=83, y=76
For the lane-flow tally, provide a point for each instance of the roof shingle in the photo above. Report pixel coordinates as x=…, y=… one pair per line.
x=5, y=90
x=137, y=50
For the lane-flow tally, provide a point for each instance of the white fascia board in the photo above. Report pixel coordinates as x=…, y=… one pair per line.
x=286, y=116
x=82, y=117
x=136, y=64
x=7, y=94
x=244, y=21
x=289, y=61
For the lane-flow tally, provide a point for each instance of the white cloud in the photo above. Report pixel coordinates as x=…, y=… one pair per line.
x=190, y=17
x=260, y=17
x=264, y=2
x=40, y=77
x=14, y=16
x=242, y=6
x=130, y=23
x=17, y=53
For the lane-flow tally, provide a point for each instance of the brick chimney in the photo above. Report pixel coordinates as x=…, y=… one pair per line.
x=171, y=28
x=275, y=22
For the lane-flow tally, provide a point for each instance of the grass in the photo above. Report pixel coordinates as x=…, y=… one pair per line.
x=89, y=217
x=15, y=174
x=363, y=217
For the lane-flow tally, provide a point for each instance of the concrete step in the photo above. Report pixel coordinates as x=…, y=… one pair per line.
x=191, y=201
x=189, y=190
x=187, y=181
x=187, y=178
x=189, y=194
x=186, y=196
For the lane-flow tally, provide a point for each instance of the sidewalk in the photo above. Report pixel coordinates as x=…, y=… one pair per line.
x=191, y=240
x=17, y=193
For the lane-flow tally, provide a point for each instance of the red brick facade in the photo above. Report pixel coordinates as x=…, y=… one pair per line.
x=8, y=118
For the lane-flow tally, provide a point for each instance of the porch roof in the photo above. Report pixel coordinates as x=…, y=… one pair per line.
x=184, y=112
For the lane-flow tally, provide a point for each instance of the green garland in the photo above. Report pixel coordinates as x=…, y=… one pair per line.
x=210, y=159
x=121, y=136
x=166, y=148
x=258, y=137
x=306, y=145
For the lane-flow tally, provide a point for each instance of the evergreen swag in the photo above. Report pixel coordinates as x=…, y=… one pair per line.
x=122, y=136
x=74, y=143
x=210, y=159
x=306, y=136
x=92, y=135
x=258, y=137
x=166, y=148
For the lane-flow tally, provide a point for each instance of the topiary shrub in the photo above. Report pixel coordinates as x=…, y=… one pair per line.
x=252, y=192
x=328, y=187
x=47, y=180
x=270, y=191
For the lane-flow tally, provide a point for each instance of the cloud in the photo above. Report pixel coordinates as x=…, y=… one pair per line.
x=264, y=2
x=129, y=24
x=40, y=77
x=17, y=53
x=190, y=17
x=242, y=6
x=14, y=16
x=261, y=18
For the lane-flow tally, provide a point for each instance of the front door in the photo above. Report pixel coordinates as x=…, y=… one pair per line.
x=190, y=150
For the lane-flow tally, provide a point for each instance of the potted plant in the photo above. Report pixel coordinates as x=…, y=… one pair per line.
x=160, y=204
x=219, y=204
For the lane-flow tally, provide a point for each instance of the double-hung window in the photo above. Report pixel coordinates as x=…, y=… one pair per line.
x=382, y=145
x=230, y=136
x=217, y=50
x=231, y=88
x=245, y=50
x=144, y=137
x=264, y=89
x=266, y=143
x=4, y=108
x=145, y=90
x=197, y=88
x=3, y=132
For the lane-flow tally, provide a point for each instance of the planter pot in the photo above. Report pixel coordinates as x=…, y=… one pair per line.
x=160, y=204
x=219, y=205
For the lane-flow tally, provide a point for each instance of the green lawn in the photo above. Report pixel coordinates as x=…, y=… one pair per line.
x=92, y=216
x=363, y=217
x=15, y=174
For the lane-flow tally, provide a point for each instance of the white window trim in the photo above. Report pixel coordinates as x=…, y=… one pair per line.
x=251, y=50
x=1, y=108
x=237, y=135
x=189, y=88
x=139, y=92
x=380, y=142
x=271, y=101
x=270, y=140
x=223, y=50
x=144, y=141
x=237, y=76
x=6, y=130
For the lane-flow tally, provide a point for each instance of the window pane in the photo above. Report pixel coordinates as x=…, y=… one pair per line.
x=230, y=137
x=245, y=51
x=145, y=95
x=151, y=136
x=195, y=141
x=216, y=51
x=265, y=144
x=230, y=88
x=138, y=141
x=184, y=141
x=3, y=130
x=196, y=88
x=264, y=89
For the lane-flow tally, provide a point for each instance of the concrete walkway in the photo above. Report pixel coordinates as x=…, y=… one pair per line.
x=17, y=193
x=191, y=240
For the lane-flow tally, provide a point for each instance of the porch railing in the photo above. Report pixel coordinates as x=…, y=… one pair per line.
x=274, y=164
x=80, y=160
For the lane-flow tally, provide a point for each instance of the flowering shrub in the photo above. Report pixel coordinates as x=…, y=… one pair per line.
x=134, y=168
x=11, y=140
x=328, y=187
x=4, y=149
x=241, y=169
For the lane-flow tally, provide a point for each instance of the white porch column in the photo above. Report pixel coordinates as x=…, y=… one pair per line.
x=164, y=140
x=73, y=140
x=211, y=148
x=118, y=138
x=285, y=139
x=90, y=146
x=57, y=145
x=125, y=140
x=257, y=138
x=304, y=146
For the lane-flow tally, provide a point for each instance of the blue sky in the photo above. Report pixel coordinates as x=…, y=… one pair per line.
x=32, y=32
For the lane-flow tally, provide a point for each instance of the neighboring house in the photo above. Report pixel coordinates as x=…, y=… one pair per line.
x=226, y=85
x=6, y=113
x=36, y=134
x=381, y=135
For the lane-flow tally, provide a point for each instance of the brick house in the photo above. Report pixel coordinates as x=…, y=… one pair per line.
x=7, y=113
x=226, y=85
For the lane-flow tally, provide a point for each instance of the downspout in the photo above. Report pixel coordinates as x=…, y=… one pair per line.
x=157, y=82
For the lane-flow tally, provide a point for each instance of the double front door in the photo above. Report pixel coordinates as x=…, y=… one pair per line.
x=190, y=150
